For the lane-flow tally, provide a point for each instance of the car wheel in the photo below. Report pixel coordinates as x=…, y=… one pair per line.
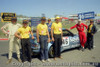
x=51, y=52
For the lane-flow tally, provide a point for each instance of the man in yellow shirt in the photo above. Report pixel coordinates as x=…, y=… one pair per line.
x=90, y=32
x=24, y=32
x=56, y=34
x=43, y=38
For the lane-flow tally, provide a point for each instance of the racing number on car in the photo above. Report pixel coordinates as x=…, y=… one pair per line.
x=65, y=41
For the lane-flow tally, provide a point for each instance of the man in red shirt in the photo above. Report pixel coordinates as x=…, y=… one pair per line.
x=80, y=28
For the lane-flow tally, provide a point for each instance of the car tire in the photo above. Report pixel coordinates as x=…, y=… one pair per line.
x=51, y=52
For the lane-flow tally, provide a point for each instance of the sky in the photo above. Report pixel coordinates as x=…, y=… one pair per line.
x=50, y=8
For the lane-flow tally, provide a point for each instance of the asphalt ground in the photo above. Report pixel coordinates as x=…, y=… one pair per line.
x=71, y=58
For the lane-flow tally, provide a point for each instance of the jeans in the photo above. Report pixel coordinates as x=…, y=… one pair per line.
x=43, y=47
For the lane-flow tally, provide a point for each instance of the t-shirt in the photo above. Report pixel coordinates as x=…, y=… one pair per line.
x=24, y=32
x=57, y=27
x=42, y=28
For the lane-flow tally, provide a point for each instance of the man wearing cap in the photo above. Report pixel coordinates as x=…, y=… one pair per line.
x=49, y=25
x=12, y=28
x=56, y=34
x=24, y=32
x=90, y=32
x=80, y=28
x=43, y=38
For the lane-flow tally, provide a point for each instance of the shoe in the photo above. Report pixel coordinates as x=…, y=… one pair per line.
x=61, y=57
x=19, y=60
x=25, y=62
x=9, y=61
x=83, y=49
x=48, y=60
x=54, y=58
x=43, y=61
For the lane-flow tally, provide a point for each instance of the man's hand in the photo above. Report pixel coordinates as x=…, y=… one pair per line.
x=38, y=40
x=48, y=40
x=92, y=34
x=20, y=37
x=68, y=29
x=32, y=37
x=53, y=39
x=85, y=30
x=62, y=38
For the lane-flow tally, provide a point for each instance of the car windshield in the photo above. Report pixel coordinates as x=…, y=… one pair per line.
x=66, y=33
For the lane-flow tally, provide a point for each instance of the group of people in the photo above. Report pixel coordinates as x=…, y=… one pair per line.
x=44, y=33
x=86, y=42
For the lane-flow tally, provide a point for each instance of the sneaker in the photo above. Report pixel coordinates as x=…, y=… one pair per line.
x=43, y=61
x=19, y=60
x=48, y=60
x=9, y=61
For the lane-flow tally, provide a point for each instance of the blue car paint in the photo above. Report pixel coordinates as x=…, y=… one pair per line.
x=73, y=42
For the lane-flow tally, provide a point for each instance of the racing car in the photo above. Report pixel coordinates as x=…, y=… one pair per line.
x=69, y=41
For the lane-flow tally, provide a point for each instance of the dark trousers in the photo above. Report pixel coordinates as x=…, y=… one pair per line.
x=43, y=47
x=26, y=50
x=57, y=45
x=89, y=40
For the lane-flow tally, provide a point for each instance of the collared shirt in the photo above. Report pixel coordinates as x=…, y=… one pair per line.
x=24, y=31
x=49, y=26
x=42, y=28
x=12, y=28
x=57, y=27
x=90, y=26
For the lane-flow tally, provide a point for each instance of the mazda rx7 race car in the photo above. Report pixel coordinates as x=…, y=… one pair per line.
x=69, y=41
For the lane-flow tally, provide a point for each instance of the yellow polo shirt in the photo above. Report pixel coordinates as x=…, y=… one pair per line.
x=24, y=32
x=90, y=28
x=42, y=28
x=57, y=27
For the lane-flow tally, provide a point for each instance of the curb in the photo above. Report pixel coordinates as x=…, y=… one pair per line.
x=3, y=38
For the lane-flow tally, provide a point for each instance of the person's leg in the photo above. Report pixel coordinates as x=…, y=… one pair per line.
x=59, y=46
x=80, y=37
x=10, y=48
x=46, y=48
x=42, y=47
x=29, y=50
x=16, y=42
x=91, y=41
x=88, y=40
x=55, y=46
x=23, y=43
x=10, y=51
x=84, y=39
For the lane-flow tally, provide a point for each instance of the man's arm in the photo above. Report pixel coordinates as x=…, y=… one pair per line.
x=3, y=29
x=48, y=36
x=37, y=35
x=52, y=34
x=16, y=34
x=85, y=26
x=32, y=35
x=73, y=27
